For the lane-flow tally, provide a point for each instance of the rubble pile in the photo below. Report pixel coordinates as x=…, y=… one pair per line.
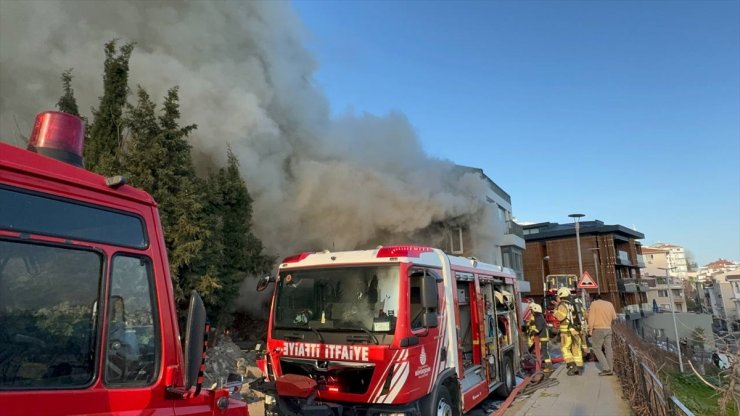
x=226, y=356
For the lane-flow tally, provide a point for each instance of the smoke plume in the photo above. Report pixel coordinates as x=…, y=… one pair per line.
x=246, y=79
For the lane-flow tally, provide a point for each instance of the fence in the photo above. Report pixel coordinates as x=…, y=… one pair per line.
x=647, y=394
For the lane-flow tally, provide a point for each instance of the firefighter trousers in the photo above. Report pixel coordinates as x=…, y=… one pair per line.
x=544, y=352
x=570, y=347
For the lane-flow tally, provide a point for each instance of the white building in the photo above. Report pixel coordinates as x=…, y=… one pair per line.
x=668, y=256
x=722, y=295
x=505, y=243
x=657, y=260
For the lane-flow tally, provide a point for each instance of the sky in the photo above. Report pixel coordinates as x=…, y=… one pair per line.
x=625, y=111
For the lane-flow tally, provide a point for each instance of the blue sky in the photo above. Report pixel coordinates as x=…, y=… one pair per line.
x=626, y=111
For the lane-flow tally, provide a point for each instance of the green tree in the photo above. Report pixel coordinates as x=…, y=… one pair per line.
x=105, y=135
x=157, y=158
x=230, y=204
x=67, y=101
x=691, y=264
x=206, y=222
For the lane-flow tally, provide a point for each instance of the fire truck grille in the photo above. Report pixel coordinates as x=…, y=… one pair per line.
x=349, y=379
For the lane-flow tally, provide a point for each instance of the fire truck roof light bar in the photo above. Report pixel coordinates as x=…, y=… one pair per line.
x=402, y=251
x=58, y=135
x=296, y=257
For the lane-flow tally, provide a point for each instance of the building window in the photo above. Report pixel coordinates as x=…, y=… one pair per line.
x=456, y=241
x=663, y=293
x=502, y=214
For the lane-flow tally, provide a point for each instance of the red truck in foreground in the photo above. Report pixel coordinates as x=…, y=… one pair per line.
x=399, y=330
x=87, y=309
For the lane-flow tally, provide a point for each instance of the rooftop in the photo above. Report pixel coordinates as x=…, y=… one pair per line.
x=549, y=230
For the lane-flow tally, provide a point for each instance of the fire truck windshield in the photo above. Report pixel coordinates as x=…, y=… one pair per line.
x=342, y=299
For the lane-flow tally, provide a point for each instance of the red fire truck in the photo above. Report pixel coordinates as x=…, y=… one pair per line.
x=87, y=311
x=399, y=330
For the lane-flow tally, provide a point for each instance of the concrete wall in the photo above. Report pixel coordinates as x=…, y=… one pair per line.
x=685, y=322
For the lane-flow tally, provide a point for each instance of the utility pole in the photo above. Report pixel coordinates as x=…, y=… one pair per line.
x=576, y=218
x=673, y=312
x=596, y=266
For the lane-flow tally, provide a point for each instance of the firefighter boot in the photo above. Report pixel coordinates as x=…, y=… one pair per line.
x=548, y=368
x=572, y=369
x=581, y=370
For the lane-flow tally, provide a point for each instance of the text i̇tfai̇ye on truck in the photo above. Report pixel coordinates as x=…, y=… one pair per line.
x=399, y=330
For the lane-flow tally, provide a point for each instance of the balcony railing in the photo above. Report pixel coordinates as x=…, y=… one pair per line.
x=640, y=261
x=627, y=285
x=623, y=259
x=646, y=309
x=632, y=312
x=514, y=228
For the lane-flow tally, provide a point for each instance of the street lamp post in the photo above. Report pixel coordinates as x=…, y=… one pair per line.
x=542, y=264
x=673, y=313
x=596, y=266
x=576, y=218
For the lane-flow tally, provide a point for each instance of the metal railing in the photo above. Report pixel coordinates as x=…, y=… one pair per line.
x=647, y=394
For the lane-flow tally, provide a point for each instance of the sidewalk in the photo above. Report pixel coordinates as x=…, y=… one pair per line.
x=589, y=394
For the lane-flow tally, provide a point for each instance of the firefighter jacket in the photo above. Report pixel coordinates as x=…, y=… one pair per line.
x=565, y=313
x=538, y=327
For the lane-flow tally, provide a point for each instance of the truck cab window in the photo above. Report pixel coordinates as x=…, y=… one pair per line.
x=132, y=339
x=47, y=315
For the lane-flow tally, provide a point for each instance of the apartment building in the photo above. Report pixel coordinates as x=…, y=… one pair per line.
x=662, y=272
x=722, y=299
x=611, y=254
x=663, y=255
x=659, y=297
x=504, y=244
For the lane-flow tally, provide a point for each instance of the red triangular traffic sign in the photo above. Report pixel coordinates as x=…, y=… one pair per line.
x=587, y=282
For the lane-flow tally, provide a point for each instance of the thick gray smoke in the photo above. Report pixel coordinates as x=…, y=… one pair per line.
x=246, y=79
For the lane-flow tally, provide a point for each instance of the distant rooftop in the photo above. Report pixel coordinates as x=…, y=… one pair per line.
x=549, y=230
x=665, y=245
x=651, y=250
x=720, y=264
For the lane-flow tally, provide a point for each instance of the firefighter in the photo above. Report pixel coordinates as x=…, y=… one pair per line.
x=537, y=327
x=570, y=336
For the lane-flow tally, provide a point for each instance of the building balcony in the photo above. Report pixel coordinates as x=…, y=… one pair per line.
x=627, y=285
x=640, y=261
x=623, y=259
x=632, y=312
x=646, y=309
x=514, y=228
x=643, y=287
x=514, y=235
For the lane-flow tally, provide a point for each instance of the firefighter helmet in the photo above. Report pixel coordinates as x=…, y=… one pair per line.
x=563, y=292
x=535, y=307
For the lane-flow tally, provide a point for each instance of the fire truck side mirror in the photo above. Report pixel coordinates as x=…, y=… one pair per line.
x=264, y=282
x=194, y=340
x=429, y=301
x=429, y=295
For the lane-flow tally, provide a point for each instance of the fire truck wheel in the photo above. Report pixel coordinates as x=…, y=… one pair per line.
x=508, y=377
x=443, y=405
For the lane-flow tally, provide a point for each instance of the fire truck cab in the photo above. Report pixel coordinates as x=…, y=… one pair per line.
x=399, y=330
x=87, y=308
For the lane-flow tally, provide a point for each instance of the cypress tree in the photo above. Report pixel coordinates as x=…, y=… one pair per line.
x=206, y=222
x=67, y=101
x=106, y=132
x=157, y=158
x=230, y=202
